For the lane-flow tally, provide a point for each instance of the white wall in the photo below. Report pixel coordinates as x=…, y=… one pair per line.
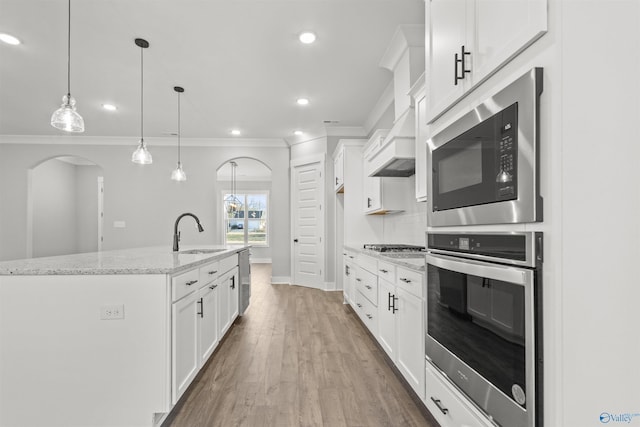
x=54, y=208
x=87, y=207
x=143, y=196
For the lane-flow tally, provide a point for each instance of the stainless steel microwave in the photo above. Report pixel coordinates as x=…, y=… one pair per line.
x=484, y=166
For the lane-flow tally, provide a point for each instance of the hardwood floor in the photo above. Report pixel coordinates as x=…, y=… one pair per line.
x=298, y=357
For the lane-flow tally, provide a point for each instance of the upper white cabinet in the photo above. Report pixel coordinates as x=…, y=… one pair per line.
x=418, y=92
x=468, y=40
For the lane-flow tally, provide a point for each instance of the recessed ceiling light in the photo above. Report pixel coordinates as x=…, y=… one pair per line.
x=302, y=101
x=235, y=132
x=9, y=39
x=109, y=107
x=307, y=37
x=298, y=132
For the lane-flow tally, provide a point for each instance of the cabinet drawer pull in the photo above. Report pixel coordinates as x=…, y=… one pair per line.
x=213, y=272
x=439, y=405
x=201, y=302
x=213, y=287
x=369, y=316
x=358, y=280
x=233, y=282
x=405, y=280
x=367, y=286
x=351, y=256
x=191, y=282
x=359, y=305
x=384, y=271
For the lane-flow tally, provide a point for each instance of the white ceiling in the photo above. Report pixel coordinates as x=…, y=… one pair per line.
x=240, y=62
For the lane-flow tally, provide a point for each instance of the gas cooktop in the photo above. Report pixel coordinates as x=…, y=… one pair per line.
x=385, y=247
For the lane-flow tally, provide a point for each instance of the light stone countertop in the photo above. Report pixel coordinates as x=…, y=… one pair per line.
x=149, y=260
x=413, y=260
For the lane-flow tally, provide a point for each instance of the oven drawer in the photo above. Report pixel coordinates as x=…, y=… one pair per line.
x=448, y=406
x=367, y=284
x=367, y=312
x=410, y=280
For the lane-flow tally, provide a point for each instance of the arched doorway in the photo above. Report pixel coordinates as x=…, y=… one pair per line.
x=65, y=211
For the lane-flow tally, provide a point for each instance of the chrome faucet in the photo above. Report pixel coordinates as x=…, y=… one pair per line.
x=176, y=233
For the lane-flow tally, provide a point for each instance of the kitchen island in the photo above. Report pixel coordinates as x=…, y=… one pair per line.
x=110, y=338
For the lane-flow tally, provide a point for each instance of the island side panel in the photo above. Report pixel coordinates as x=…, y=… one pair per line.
x=61, y=365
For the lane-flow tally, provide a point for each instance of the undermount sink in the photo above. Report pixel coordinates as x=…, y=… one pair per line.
x=201, y=251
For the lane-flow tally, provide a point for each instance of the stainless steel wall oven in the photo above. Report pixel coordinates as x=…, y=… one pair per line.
x=484, y=166
x=484, y=320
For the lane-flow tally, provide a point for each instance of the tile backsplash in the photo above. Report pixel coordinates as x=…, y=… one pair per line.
x=406, y=227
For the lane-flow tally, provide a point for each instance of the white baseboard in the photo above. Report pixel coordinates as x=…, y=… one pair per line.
x=280, y=280
x=330, y=286
x=260, y=260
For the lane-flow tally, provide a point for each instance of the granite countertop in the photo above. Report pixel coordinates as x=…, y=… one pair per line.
x=412, y=260
x=150, y=260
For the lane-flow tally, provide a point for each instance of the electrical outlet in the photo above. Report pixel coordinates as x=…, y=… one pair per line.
x=112, y=312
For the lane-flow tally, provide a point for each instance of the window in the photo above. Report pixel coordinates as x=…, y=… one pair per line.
x=246, y=219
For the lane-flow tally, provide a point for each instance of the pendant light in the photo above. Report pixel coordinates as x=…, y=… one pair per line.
x=142, y=156
x=66, y=117
x=232, y=201
x=178, y=174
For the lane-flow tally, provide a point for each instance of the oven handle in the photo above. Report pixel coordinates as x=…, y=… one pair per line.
x=509, y=274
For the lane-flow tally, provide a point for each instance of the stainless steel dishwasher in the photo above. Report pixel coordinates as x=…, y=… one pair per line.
x=244, y=266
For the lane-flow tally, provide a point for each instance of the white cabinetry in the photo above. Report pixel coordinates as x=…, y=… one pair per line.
x=468, y=40
x=204, y=305
x=401, y=323
x=446, y=404
x=418, y=92
x=349, y=277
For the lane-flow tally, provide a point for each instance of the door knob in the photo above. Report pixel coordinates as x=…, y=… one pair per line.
x=295, y=240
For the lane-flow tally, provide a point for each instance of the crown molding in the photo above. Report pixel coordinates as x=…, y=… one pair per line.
x=158, y=141
x=406, y=36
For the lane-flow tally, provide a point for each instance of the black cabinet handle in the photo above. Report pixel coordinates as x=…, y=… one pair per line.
x=369, y=316
x=393, y=306
x=384, y=271
x=367, y=286
x=389, y=301
x=233, y=282
x=201, y=313
x=213, y=287
x=191, y=282
x=336, y=180
x=213, y=272
x=359, y=305
x=358, y=280
x=405, y=280
x=295, y=240
x=463, y=67
x=439, y=405
x=368, y=202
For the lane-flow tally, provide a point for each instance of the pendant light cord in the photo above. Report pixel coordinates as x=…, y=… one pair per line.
x=69, y=51
x=178, y=127
x=141, y=94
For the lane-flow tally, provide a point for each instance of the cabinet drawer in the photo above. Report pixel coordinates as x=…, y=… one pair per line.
x=367, y=283
x=447, y=405
x=209, y=273
x=228, y=263
x=387, y=271
x=368, y=263
x=411, y=281
x=367, y=312
x=185, y=283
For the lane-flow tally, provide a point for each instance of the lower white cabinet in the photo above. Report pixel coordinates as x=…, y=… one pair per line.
x=209, y=336
x=447, y=405
x=200, y=318
x=185, y=360
x=401, y=325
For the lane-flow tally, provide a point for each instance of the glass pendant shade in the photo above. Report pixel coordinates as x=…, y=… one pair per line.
x=142, y=156
x=66, y=117
x=178, y=174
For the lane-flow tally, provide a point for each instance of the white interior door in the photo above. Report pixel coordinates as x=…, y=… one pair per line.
x=308, y=225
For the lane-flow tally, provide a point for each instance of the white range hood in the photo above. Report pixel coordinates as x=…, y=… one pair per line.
x=396, y=154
